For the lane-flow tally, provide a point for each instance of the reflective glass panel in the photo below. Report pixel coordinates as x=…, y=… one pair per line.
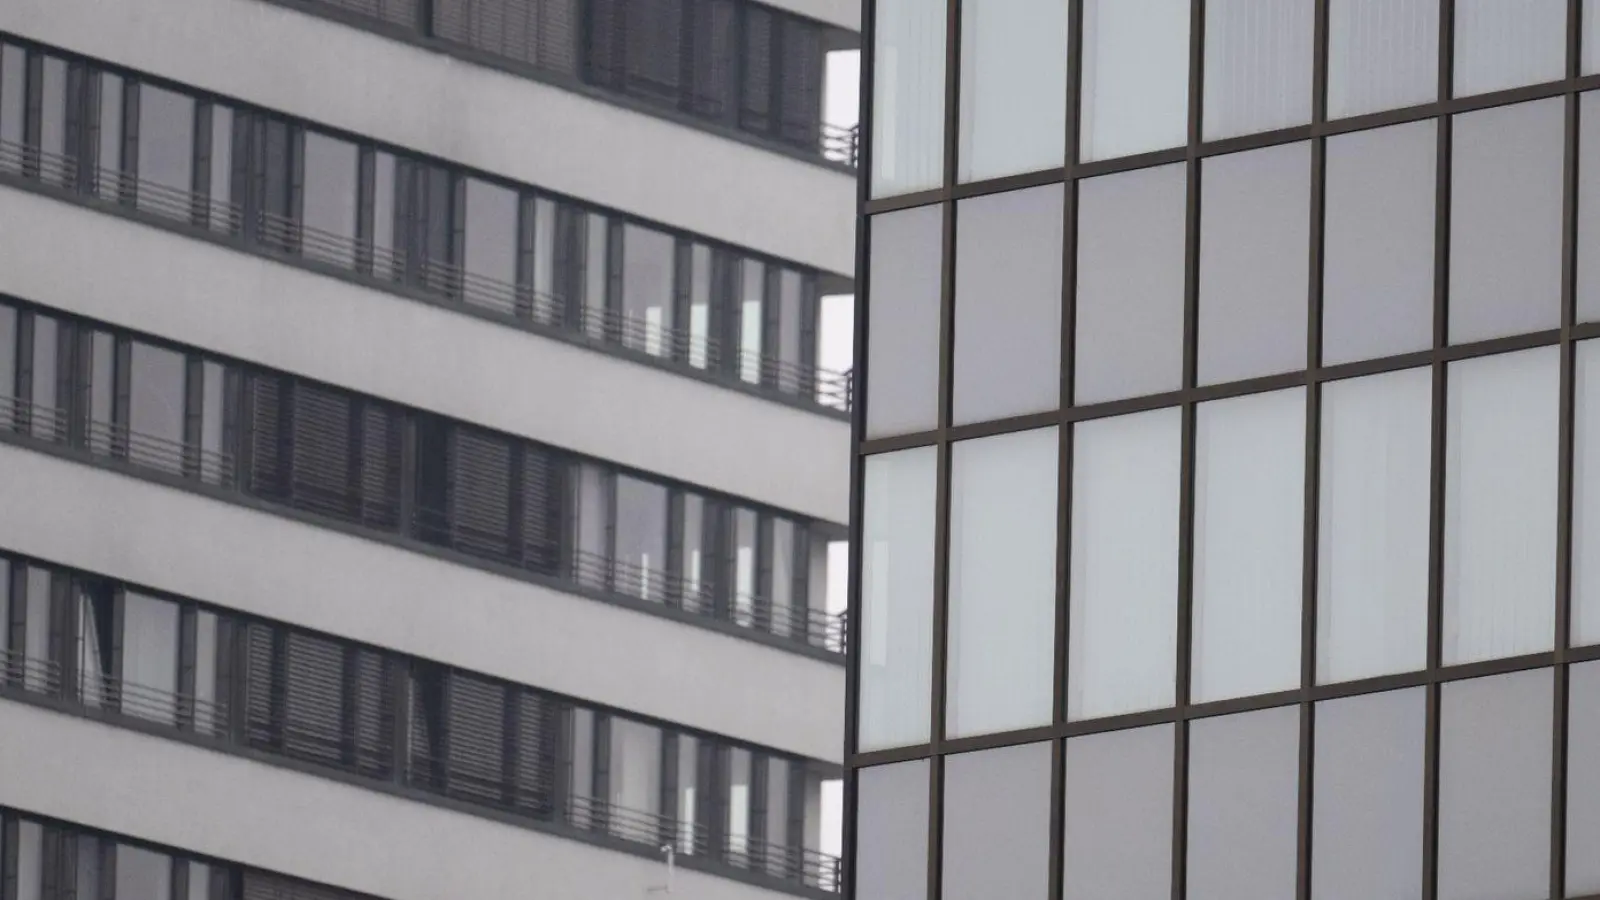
x=1504, y=44
x=891, y=856
x=1117, y=840
x=1382, y=54
x=1013, y=87
x=903, y=314
x=1586, y=498
x=908, y=96
x=1135, y=93
x=997, y=824
x=1257, y=66
x=1243, y=798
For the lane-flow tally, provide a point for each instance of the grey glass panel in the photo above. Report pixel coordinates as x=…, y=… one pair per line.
x=700, y=329
x=1126, y=481
x=1257, y=66
x=1589, y=199
x=1377, y=288
x=1589, y=56
x=908, y=96
x=1586, y=498
x=155, y=406
x=1130, y=284
x=544, y=259
x=166, y=150
x=222, y=219
x=1243, y=797
x=997, y=824
x=1002, y=582
x=87, y=847
x=1367, y=815
x=491, y=244
x=53, y=165
x=1494, y=787
x=49, y=421
x=781, y=593
x=1505, y=220
x=1008, y=304
x=385, y=263
x=1117, y=838
x=595, y=278
x=897, y=598
x=692, y=565
x=200, y=877
x=5, y=607
x=149, y=657
x=109, y=153
x=8, y=365
x=1135, y=94
x=38, y=670
x=143, y=874
x=1500, y=505
x=1382, y=54
x=1508, y=43
x=330, y=199
x=205, y=672
x=777, y=819
x=102, y=396
x=634, y=775
x=582, y=766
x=1013, y=87
x=738, y=821
x=891, y=852
x=1372, y=577
x=13, y=105
x=1583, y=779
x=1249, y=491
x=752, y=294
x=1255, y=224
x=791, y=288
x=594, y=524
x=688, y=788
x=903, y=311
x=30, y=860
x=214, y=466
x=641, y=537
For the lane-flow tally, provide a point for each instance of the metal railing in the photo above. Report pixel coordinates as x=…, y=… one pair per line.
x=98, y=690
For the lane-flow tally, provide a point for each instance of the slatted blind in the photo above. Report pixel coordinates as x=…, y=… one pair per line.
x=540, y=33
x=266, y=477
x=476, y=739
x=654, y=48
x=713, y=29
x=755, y=95
x=382, y=436
x=320, y=450
x=543, y=509
x=264, y=886
x=480, y=498
x=800, y=75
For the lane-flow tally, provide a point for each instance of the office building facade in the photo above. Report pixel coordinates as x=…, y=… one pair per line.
x=1226, y=477
x=420, y=456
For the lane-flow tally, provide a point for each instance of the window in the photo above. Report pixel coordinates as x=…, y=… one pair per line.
x=95, y=645
x=49, y=420
x=635, y=778
x=1503, y=44
x=787, y=365
x=1382, y=54
x=330, y=200
x=903, y=310
x=166, y=150
x=156, y=407
x=40, y=666
x=142, y=874
x=13, y=105
x=491, y=245
x=641, y=556
x=908, y=97
x=53, y=160
x=1135, y=92
x=1583, y=779
x=1258, y=61
x=1117, y=838
x=1243, y=797
x=744, y=554
x=688, y=798
x=696, y=516
x=891, y=861
x=8, y=366
x=647, y=290
x=997, y=824
x=788, y=616
x=752, y=291
x=1586, y=498
x=149, y=657
x=108, y=179
x=1013, y=87
x=738, y=820
x=593, y=526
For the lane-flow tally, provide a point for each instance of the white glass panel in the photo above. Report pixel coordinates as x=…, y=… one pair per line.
x=1013, y=87
x=1135, y=77
x=1500, y=505
x=908, y=96
x=1508, y=43
x=1249, y=488
x=1586, y=498
x=1257, y=66
x=1382, y=54
x=753, y=283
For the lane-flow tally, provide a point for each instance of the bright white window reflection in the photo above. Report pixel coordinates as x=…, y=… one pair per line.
x=1002, y=582
x=1504, y=44
x=908, y=96
x=1249, y=491
x=1586, y=499
x=1013, y=87
x=1500, y=505
x=1123, y=597
x=1372, y=578
x=1135, y=91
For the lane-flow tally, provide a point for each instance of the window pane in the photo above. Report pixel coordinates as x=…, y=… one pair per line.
x=1124, y=593
x=1494, y=787
x=13, y=105
x=1508, y=43
x=903, y=309
x=385, y=264
x=781, y=592
x=1382, y=54
x=1258, y=66
x=102, y=399
x=52, y=121
x=1589, y=198
x=1002, y=582
x=223, y=208
x=166, y=150
x=1243, y=797
x=908, y=97
x=1583, y=779
x=791, y=292
x=1500, y=505
x=1372, y=590
x=1013, y=87
x=647, y=289
x=49, y=422
x=330, y=199
x=1008, y=304
x=1249, y=490
x=997, y=824
x=1590, y=55
x=700, y=310
x=214, y=465
x=8, y=363
x=30, y=861
x=891, y=857
x=1255, y=225
x=149, y=657
x=206, y=713
x=143, y=874
x=109, y=152
x=1130, y=284
x=155, y=407
x=594, y=519
x=688, y=792
x=641, y=538
x=744, y=566
x=1505, y=221
x=1367, y=816
x=39, y=671
x=738, y=822
x=753, y=287
x=1586, y=498
x=1117, y=840
x=1135, y=92
x=634, y=775
x=1377, y=283
x=583, y=766
x=897, y=598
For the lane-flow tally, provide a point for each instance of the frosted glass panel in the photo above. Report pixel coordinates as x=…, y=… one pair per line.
x=1248, y=520
x=1117, y=842
x=1589, y=197
x=908, y=96
x=997, y=824
x=1586, y=498
x=1258, y=66
x=891, y=857
x=1129, y=325
x=1367, y=817
x=1494, y=787
x=1583, y=779
x=1505, y=220
x=903, y=318
x=1500, y=505
x=1013, y=87
x=1382, y=54
x=1135, y=94
x=1243, y=796
x=1590, y=55
x=1124, y=594
x=1002, y=582
x=1372, y=578
x=897, y=598
x=1508, y=43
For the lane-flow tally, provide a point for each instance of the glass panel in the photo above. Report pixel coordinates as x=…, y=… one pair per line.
x=200, y=876
x=1500, y=505
x=30, y=861
x=1135, y=92
x=647, y=289
x=222, y=218
x=53, y=165
x=1372, y=578
x=96, y=622
x=1254, y=258
x=780, y=594
x=1117, y=840
x=700, y=340
x=1010, y=50
x=385, y=262
x=1002, y=582
x=5, y=616
x=1377, y=283
x=149, y=657
x=594, y=525
x=155, y=407
x=891, y=857
x=39, y=672
x=1243, y=799
x=997, y=824
x=1494, y=787
x=166, y=150
x=214, y=467
x=109, y=154
x=1249, y=490
x=1590, y=55
x=1126, y=481
x=791, y=287
x=897, y=598
x=1258, y=66
x=1583, y=779
x=143, y=874
x=777, y=834
x=641, y=537
x=635, y=777
x=491, y=245
x=8, y=362
x=102, y=400
x=1589, y=200
x=738, y=823
x=688, y=792
x=908, y=96
x=903, y=308
x=13, y=105
x=1508, y=43
x=544, y=260
x=329, y=207
x=753, y=290
x=596, y=279
x=1382, y=54
x=1130, y=284
x=1505, y=220
x=205, y=672
x=692, y=564
x=1008, y=304
x=1586, y=497
x=49, y=422
x=86, y=848
x=1367, y=817
x=745, y=524
x=582, y=766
